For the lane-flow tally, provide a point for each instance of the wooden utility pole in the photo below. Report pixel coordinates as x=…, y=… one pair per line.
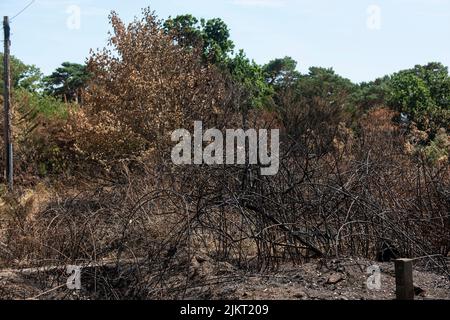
x=7, y=105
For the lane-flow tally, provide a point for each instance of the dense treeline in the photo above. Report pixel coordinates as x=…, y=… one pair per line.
x=421, y=94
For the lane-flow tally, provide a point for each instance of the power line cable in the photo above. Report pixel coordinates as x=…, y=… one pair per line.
x=20, y=12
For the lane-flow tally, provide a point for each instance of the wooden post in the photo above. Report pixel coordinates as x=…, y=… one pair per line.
x=7, y=105
x=404, y=279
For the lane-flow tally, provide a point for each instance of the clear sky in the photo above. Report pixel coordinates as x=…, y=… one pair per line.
x=360, y=39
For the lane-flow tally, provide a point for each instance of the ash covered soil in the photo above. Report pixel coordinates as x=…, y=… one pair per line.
x=344, y=279
x=319, y=280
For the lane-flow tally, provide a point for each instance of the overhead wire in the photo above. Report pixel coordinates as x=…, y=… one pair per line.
x=20, y=12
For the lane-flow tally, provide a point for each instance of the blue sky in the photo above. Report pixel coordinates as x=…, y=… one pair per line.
x=360, y=39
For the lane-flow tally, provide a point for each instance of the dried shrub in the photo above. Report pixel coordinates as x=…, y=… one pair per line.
x=145, y=86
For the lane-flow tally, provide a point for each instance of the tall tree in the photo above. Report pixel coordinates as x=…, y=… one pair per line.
x=185, y=29
x=423, y=93
x=250, y=76
x=213, y=35
x=67, y=82
x=437, y=79
x=372, y=94
x=281, y=71
x=216, y=37
x=324, y=83
x=24, y=76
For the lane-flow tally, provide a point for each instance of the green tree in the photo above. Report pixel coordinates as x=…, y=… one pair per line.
x=212, y=35
x=185, y=29
x=423, y=93
x=67, y=82
x=436, y=77
x=324, y=83
x=410, y=94
x=24, y=76
x=372, y=94
x=281, y=71
x=250, y=76
x=216, y=37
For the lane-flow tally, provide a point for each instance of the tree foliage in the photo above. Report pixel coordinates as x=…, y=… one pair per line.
x=372, y=94
x=325, y=83
x=423, y=92
x=281, y=71
x=145, y=86
x=67, y=82
x=22, y=75
x=250, y=76
x=213, y=35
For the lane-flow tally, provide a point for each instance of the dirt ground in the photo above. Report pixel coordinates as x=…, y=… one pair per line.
x=319, y=280
x=344, y=279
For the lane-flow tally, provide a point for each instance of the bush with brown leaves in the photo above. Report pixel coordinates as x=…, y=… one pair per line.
x=144, y=87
